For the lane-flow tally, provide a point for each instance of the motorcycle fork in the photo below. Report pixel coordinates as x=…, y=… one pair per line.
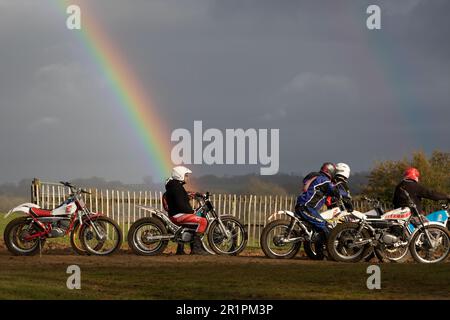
x=291, y=228
x=427, y=234
x=97, y=231
x=224, y=230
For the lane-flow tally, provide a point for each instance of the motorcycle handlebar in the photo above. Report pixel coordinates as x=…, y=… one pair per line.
x=201, y=195
x=67, y=184
x=85, y=191
x=365, y=198
x=73, y=188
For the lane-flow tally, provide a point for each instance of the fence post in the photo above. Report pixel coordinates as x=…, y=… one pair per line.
x=34, y=190
x=123, y=212
x=249, y=213
x=134, y=206
x=140, y=203
x=101, y=201
x=129, y=211
x=107, y=202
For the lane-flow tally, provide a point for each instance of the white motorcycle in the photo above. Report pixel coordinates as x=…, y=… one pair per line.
x=282, y=238
x=391, y=237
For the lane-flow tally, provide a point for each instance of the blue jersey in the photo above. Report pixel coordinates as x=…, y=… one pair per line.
x=344, y=191
x=315, y=191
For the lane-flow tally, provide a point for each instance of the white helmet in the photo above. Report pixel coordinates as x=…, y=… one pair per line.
x=179, y=172
x=343, y=169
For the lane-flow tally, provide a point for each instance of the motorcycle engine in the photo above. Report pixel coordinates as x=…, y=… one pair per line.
x=60, y=227
x=392, y=235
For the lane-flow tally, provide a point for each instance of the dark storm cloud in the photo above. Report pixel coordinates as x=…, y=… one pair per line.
x=336, y=90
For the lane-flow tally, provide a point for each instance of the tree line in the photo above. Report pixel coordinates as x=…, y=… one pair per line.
x=378, y=182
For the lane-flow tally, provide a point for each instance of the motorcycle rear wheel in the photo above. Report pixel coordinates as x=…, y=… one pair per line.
x=143, y=228
x=339, y=240
x=314, y=250
x=389, y=255
x=13, y=237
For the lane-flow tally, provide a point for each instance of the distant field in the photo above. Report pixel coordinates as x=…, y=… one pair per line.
x=126, y=276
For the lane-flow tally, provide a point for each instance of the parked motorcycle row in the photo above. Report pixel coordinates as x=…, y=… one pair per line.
x=95, y=234
x=354, y=236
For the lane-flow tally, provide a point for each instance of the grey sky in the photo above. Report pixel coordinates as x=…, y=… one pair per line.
x=336, y=90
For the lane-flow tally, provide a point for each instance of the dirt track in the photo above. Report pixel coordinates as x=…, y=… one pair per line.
x=250, y=276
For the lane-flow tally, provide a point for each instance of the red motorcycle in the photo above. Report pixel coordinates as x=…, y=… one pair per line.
x=99, y=235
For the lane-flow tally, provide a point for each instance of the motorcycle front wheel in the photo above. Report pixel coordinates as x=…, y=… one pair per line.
x=140, y=233
x=100, y=236
x=425, y=252
x=76, y=244
x=274, y=243
x=232, y=242
x=75, y=241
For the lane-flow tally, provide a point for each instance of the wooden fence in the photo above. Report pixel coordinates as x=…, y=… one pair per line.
x=120, y=205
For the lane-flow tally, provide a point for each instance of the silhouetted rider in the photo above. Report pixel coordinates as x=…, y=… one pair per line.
x=417, y=192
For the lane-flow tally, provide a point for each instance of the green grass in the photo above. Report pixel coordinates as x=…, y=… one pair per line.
x=188, y=279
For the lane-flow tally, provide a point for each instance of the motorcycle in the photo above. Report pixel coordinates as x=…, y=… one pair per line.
x=26, y=235
x=282, y=238
x=391, y=237
x=224, y=235
x=397, y=253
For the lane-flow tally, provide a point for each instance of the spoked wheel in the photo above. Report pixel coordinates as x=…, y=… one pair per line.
x=205, y=244
x=391, y=253
x=75, y=241
x=435, y=251
x=275, y=242
x=230, y=241
x=141, y=237
x=100, y=236
x=343, y=243
x=314, y=249
x=15, y=236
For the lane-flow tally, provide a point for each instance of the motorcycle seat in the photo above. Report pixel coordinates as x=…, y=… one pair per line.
x=41, y=212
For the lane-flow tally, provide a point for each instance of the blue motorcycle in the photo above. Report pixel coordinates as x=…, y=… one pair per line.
x=440, y=216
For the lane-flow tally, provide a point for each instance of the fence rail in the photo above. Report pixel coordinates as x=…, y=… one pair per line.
x=120, y=205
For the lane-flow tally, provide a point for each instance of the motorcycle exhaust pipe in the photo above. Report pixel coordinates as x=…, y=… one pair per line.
x=291, y=240
x=359, y=243
x=158, y=238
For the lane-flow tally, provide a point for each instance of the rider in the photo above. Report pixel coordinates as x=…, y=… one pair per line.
x=180, y=210
x=417, y=191
x=341, y=182
x=317, y=186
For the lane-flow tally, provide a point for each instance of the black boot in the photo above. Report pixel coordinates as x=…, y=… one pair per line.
x=197, y=247
x=180, y=249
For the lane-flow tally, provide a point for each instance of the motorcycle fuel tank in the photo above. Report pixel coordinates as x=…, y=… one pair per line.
x=397, y=214
x=65, y=209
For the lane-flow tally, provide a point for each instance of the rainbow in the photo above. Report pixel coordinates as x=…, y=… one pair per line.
x=135, y=102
